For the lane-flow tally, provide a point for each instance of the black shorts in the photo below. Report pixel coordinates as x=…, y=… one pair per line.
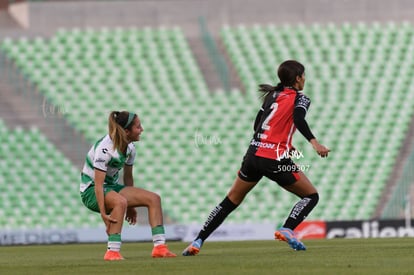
x=253, y=168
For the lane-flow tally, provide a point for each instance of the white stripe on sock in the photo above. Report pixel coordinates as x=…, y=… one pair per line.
x=158, y=239
x=114, y=246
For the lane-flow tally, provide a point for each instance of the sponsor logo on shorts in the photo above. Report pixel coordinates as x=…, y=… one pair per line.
x=243, y=174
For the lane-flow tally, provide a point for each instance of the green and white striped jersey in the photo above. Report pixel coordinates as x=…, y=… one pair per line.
x=102, y=156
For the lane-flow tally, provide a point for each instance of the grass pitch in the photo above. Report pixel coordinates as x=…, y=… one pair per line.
x=337, y=256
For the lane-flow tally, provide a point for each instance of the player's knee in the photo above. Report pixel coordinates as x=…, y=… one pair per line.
x=314, y=198
x=154, y=199
x=121, y=202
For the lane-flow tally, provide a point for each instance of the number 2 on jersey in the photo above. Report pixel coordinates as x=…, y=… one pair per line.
x=265, y=124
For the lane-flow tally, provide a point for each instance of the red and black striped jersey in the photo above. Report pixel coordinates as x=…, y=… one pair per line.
x=274, y=126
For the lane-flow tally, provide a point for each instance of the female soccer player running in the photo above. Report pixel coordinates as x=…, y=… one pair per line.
x=283, y=110
x=101, y=191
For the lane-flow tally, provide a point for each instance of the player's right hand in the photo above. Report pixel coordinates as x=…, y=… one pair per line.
x=108, y=220
x=322, y=150
x=319, y=148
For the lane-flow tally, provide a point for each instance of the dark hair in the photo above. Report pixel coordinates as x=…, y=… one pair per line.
x=287, y=73
x=117, y=123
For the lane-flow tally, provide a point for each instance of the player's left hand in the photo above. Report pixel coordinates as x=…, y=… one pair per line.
x=131, y=215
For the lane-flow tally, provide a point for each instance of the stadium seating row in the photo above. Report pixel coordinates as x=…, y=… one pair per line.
x=40, y=186
x=76, y=67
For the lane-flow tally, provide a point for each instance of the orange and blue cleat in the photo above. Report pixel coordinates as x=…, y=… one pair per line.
x=287, y=235
x=194, y=248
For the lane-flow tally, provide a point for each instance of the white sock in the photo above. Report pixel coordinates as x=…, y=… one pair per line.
x=114, y=246
x=158, y=239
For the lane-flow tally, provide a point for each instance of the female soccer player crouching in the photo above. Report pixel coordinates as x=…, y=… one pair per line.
x=283, y=110
x=101, y=192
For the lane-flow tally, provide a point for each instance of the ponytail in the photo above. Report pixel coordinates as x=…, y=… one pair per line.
x=117, y=123
x=266, y=89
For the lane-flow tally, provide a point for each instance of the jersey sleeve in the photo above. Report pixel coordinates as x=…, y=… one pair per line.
x=302, y=101
x=102, y=158
x=301, y=124
x=131, y=157
x=302, y=104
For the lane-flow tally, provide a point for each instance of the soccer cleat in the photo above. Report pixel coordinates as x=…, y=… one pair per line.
x=194, y=248
x=113, y=256
x=287, y=235
x=161, y=251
